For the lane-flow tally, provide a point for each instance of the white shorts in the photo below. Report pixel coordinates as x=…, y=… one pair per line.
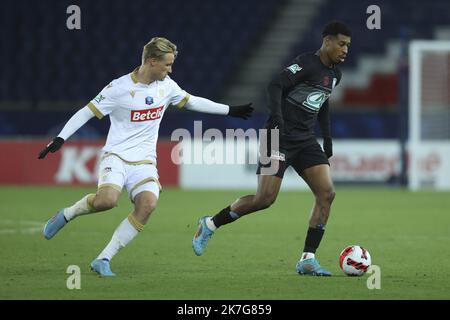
x=116, y=173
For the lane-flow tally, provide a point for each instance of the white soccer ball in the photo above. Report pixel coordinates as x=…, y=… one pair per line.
x=355, y=260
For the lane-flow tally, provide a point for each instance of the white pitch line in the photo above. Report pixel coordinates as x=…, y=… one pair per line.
x=27, y=227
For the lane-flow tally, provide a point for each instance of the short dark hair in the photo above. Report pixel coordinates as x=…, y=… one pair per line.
x=336, y=27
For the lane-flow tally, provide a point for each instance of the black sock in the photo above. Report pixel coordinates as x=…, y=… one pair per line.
x=313, y=238
x=224, y=217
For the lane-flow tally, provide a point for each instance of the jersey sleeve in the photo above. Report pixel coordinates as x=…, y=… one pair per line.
x=324, y=120
x=297, y=71
x=178, y=97
x=290, y=76
x=105, y=102
x=339, y=77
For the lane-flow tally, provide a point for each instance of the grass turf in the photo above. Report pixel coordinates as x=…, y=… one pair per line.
x=406, y=233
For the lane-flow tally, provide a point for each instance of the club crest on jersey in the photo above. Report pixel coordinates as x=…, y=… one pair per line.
x=147, y=114
x=315, y=100
x=149, y=100
x=294, y=68
x=326, y=81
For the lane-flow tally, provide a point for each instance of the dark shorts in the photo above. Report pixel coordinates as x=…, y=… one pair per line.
x=298, y=155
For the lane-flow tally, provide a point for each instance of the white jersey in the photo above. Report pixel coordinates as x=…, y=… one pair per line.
x=136, y=110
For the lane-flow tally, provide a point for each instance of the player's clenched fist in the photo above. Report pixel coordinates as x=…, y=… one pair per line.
x=52, y=147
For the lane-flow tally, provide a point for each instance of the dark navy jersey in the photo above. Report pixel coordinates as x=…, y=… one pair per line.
x=306, y=85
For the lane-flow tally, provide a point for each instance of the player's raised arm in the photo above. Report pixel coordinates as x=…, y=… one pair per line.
x=75, y=122
x=200, y=104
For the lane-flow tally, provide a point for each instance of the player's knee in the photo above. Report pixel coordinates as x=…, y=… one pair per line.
x=330, y=195
x=105, y=203
x=326, y=197
x=147, y=206
x=265, y=201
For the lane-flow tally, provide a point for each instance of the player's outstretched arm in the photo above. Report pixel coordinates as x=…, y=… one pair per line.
x=200, y=104
x=52, y=146
x=74, y=123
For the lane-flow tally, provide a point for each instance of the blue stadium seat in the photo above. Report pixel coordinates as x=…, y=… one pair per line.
x=111, y=38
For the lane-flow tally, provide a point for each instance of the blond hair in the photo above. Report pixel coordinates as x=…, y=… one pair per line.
x=157, y=48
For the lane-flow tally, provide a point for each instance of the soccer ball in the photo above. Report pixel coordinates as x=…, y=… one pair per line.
x=354, y=260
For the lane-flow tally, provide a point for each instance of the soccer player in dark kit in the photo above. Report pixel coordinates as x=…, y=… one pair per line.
x=297, y=97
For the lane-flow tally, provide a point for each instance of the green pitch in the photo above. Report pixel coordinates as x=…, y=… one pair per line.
x=406, y=233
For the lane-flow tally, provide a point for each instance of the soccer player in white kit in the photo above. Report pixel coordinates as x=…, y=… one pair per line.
x=135, y=103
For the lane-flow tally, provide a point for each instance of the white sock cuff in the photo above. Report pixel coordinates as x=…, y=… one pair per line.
x=124, y=233
x=307, y=255
x=210, y=224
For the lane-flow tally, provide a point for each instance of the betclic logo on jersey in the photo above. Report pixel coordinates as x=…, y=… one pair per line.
x=147, y=114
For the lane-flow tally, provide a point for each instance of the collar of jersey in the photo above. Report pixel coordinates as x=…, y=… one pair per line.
x=318, y=56
x=133, y=76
